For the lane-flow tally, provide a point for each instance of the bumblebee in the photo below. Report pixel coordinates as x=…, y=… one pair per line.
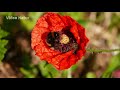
x=52, y=38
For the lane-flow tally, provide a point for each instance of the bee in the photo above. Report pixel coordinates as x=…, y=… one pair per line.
x=52, y=38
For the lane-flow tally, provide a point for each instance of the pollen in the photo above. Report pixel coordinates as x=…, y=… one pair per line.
x=64, y=39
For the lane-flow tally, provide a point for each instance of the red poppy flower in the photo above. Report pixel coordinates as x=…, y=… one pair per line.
x=59, y=40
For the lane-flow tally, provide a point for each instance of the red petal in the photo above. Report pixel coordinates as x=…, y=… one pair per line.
x=54, y=21
x=44, y=52
x=37, y=35
x=41, y=22
x=60, y=61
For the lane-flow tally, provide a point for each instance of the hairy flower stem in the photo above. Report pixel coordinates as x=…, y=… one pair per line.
x=69, y=74
x=101, y=50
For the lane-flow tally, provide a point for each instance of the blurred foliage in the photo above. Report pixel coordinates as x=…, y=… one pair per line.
x=33, y=17
x=114, y=64
x=3, y=43
x=6, y=13
x=10, y=25
x=29, y=73
x=90, y=75
x=42, y=69
x=47, y=70
x=28, y=69
x=100, y=17
x=115, y=19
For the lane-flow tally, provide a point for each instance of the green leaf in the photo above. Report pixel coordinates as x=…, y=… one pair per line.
x=27, y=73
x=3, y=43
x=3, y=33
x=47, y=70
x=113, y=65
x=2, y=52
x=43, y=69
x=52, y=70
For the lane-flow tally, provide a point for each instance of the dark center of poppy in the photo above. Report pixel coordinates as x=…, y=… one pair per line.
x=63, y=41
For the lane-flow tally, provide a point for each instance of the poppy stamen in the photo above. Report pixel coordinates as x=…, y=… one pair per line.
x=64, y=39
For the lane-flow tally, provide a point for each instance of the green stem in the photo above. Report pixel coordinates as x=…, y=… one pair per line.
x=102, y=50
x=69, y=75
